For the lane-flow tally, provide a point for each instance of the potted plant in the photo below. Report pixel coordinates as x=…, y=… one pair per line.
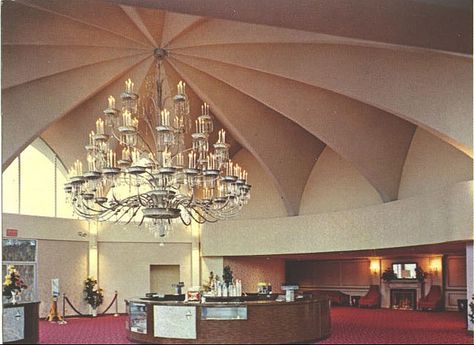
x=388, y=275
x=227, y=276
x=93, y=295
x=13, y=284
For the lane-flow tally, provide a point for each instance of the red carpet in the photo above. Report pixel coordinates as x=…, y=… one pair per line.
x=379, y=326
x=349, y=326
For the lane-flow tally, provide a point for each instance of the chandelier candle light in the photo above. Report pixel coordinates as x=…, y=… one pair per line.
x=161, y=186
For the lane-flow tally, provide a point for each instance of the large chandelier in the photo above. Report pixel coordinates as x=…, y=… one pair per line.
x=166, y=171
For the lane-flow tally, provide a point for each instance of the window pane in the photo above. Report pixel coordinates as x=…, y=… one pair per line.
x=64, y=210
x=19, y=250
x=10, y=188
x=37, y=183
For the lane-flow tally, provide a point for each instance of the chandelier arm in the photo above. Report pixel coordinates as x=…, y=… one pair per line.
x=91, y=209
x=133, y=216
x=202, y=216
x=182, y=219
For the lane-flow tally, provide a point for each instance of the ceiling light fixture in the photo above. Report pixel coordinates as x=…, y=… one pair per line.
x=157, y=176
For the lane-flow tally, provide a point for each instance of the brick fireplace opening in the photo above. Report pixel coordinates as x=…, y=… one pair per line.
x=404, y=299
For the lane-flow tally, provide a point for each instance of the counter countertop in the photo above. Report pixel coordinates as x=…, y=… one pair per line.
x=223, y=304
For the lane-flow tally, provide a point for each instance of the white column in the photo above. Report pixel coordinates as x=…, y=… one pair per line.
x=470, y=281
x=93, y=253
x=196, y=254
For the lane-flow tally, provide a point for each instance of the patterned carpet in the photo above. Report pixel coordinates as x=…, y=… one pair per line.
x=349, y=326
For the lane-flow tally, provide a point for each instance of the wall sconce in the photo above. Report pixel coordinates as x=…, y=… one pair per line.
x=435, y=266
x=374, y=266
x=81, y=234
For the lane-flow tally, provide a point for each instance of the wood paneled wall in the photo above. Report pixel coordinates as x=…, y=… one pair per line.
x=455, y=281
x=345, y=274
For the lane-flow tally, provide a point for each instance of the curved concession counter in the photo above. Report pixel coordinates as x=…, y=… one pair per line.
x=264, y=321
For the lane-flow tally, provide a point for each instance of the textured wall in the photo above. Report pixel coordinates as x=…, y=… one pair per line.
x=446, y=215
x=335, y=185
x=265, y=201
x=125, y=267
x=432, y=164
x=66, y=260
x=254, y=270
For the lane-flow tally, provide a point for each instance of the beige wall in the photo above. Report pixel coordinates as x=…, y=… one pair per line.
x=125, y=267
x=265, y=201
x=67, y=261
x=432, y=164
x=335, y=185
x=125, y=256
x=441, y=216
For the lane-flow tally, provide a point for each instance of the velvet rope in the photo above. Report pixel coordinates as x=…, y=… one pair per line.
x=111, y=303
x=81, y=314
x=70, y=304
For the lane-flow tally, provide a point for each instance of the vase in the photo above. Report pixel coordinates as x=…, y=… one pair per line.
x=94, y=312
x=13, y=297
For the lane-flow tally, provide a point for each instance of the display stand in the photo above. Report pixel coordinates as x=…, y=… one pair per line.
x=54, y=315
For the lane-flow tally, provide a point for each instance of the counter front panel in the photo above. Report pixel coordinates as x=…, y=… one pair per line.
x=235, y=322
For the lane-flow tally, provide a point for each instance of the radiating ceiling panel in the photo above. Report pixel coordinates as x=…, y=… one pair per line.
x=18, y=67
x=419, y=79
x=176, y=24
x=30, y=108
x=137, y=20
x=432, y=25
x=284, y=149
x=374, y=141
x=68, y=136
x=26, y=25
x=154, y=21
x=217, y=32
x=95, y=13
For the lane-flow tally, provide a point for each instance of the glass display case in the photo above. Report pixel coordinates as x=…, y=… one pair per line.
x=224, y=312
x=137, y=317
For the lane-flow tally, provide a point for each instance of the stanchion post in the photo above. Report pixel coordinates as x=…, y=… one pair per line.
x=116, y=304
x=63, y=322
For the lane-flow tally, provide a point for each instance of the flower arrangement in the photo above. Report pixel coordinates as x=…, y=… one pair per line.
x=420, y=274
x=92, y=294
x=388, y=275
x=471, y=306
x=13, y=283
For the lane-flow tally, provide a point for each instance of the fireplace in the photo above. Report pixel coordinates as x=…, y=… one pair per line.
x=404, y=299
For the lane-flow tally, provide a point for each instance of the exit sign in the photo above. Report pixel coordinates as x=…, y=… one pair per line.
x=12, y=232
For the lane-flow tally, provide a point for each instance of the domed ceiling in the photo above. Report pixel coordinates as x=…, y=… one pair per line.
x=283, y=80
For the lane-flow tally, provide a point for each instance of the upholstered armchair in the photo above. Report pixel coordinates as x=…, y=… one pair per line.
x=372, y=298
x=433, y=300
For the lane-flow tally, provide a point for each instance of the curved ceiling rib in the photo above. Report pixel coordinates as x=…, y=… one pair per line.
x=51, y=60
x=373, y=76
x=286, y=151
x=176, y=24
x=67, y=136
x=26, y=112
x=412, y=23
x=101, y=15
x=154, y=22
x=27, y=25
x=135, y=17
x=374, y=141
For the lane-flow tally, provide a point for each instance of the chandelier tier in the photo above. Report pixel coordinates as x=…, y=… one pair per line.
x=157, y=177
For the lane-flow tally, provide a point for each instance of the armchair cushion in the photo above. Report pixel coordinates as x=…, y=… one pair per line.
x=372, y=298
x=433, y=300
